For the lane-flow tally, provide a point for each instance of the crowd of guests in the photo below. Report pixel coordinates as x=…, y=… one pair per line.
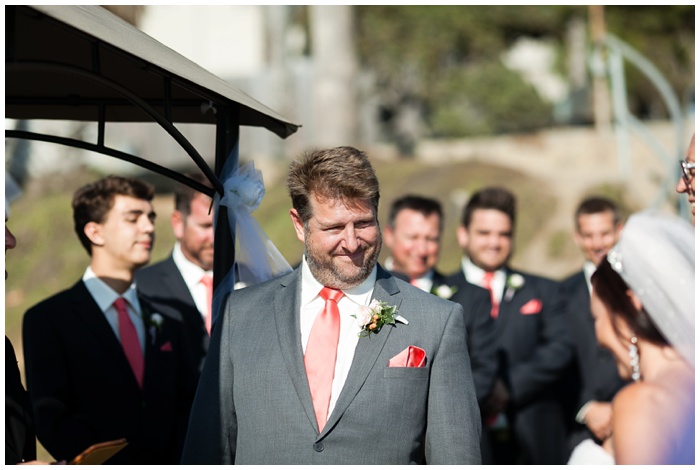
x=515, y=369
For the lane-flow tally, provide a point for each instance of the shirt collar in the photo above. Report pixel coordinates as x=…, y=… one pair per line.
x=588, y=270
x=475, y=274
x=191, y=273
x=310, y=287
x=105, y=295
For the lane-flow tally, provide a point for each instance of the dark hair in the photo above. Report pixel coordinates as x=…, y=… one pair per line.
x=496, y=198
x=185, y=194
x=596, y=205
x=337, y=173
x=92, y=202
x=424, y=205
x=612, y=291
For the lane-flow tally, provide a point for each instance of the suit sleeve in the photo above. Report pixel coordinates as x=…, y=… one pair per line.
x=212, y=430
x=551, y=357
x=453, y=428
x=482, y=343
x=59, y=428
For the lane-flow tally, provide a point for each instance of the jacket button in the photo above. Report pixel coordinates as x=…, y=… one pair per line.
x=318, y=446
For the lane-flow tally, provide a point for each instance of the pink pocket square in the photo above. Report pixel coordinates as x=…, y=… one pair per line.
x=532, y=307
x=167, y=347
x=412, y=356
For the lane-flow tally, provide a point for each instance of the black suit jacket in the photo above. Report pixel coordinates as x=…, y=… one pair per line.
x=84, y=392
x=20, y=441
x=534, y=351
x=481, y=330
x=164, y=287
x=595, y=369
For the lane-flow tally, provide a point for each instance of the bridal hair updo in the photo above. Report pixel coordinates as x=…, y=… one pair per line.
x=343, y=173
x=612, y=291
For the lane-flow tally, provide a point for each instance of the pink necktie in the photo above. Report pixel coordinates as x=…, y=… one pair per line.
x=321, y=351
x=488, y=279
x=209, y=284
x=130, y=340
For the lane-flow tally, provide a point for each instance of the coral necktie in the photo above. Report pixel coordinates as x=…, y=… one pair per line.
x=321, y=351
x=129, y=340
x=209, y=284
x=488, y=279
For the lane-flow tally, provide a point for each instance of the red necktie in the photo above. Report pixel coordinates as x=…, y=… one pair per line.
x=488, y=279
x=209, y=284
x=130, y=340
x=321, y=351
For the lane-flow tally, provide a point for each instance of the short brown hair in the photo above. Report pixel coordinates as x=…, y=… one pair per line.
x=597, y=205
x=92, y=202
x=338, y=173
x=185, y=194
x=420, y=204
x=496, y=198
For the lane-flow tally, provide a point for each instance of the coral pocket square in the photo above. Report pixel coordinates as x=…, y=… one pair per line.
x=412, y=356
x=167, y=347
x=533, y=306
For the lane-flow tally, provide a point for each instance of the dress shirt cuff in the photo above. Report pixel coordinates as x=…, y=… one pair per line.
x=581, y=415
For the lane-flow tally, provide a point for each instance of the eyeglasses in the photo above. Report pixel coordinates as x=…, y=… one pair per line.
x=687, y=171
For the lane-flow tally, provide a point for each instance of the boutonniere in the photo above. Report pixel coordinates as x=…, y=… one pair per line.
x=514, y=282
x=444, y=291
x=373, y=317
x=154, y=321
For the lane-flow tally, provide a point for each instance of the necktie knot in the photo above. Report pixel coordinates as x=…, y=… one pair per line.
x=328, y=293
x=120, y=305
x=207, y=280
x=488, y=279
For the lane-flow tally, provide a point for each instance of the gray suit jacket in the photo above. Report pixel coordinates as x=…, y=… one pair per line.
x=253, y=404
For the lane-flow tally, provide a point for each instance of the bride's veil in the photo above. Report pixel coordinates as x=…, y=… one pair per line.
x=656, y=258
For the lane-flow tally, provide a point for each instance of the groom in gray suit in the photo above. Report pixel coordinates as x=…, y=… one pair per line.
x=317, y=367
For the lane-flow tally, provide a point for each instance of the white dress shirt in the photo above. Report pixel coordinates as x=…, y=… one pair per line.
x=105, y=297
x=588, y=270
x=311, y=306
x=424, y=283
x=192, y=274
x=475, y=275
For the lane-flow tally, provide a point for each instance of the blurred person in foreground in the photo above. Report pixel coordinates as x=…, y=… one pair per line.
x=643, y=305
x=182, y=284
x=413, y=235
x=598, y=225
x=525, y=412
x=337, y=361
x=686, y=183
x=20, y=438
x=101, y=362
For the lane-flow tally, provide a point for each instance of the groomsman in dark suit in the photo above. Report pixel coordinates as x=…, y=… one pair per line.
x=101, y=362
x=598, y=226
x=525, y=413
x=413, y=235
x=181, y=285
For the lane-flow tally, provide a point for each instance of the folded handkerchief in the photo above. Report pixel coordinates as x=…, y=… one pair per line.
x=412, y=356
x=167, y=347
x=533, y=306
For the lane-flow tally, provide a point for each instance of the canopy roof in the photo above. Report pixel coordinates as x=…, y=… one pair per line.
x=60, y=61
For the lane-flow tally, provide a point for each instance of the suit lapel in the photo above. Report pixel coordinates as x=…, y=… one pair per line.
x=289, y=336
x=87, y=310
x=505, y=309
x=367, y=350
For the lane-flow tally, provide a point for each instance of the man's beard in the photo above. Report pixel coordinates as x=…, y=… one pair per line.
x=323, y=269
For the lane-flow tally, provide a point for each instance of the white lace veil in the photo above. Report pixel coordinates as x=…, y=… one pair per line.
x=656, y=258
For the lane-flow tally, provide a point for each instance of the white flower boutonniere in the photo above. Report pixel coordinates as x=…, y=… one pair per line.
x=513, y=283
x=444, y=291
x=155, y=320
x=372, y=318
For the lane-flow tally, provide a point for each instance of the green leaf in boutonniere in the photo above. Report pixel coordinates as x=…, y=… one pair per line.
x=513, y=283
x=444, y=291
x=373, y=317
